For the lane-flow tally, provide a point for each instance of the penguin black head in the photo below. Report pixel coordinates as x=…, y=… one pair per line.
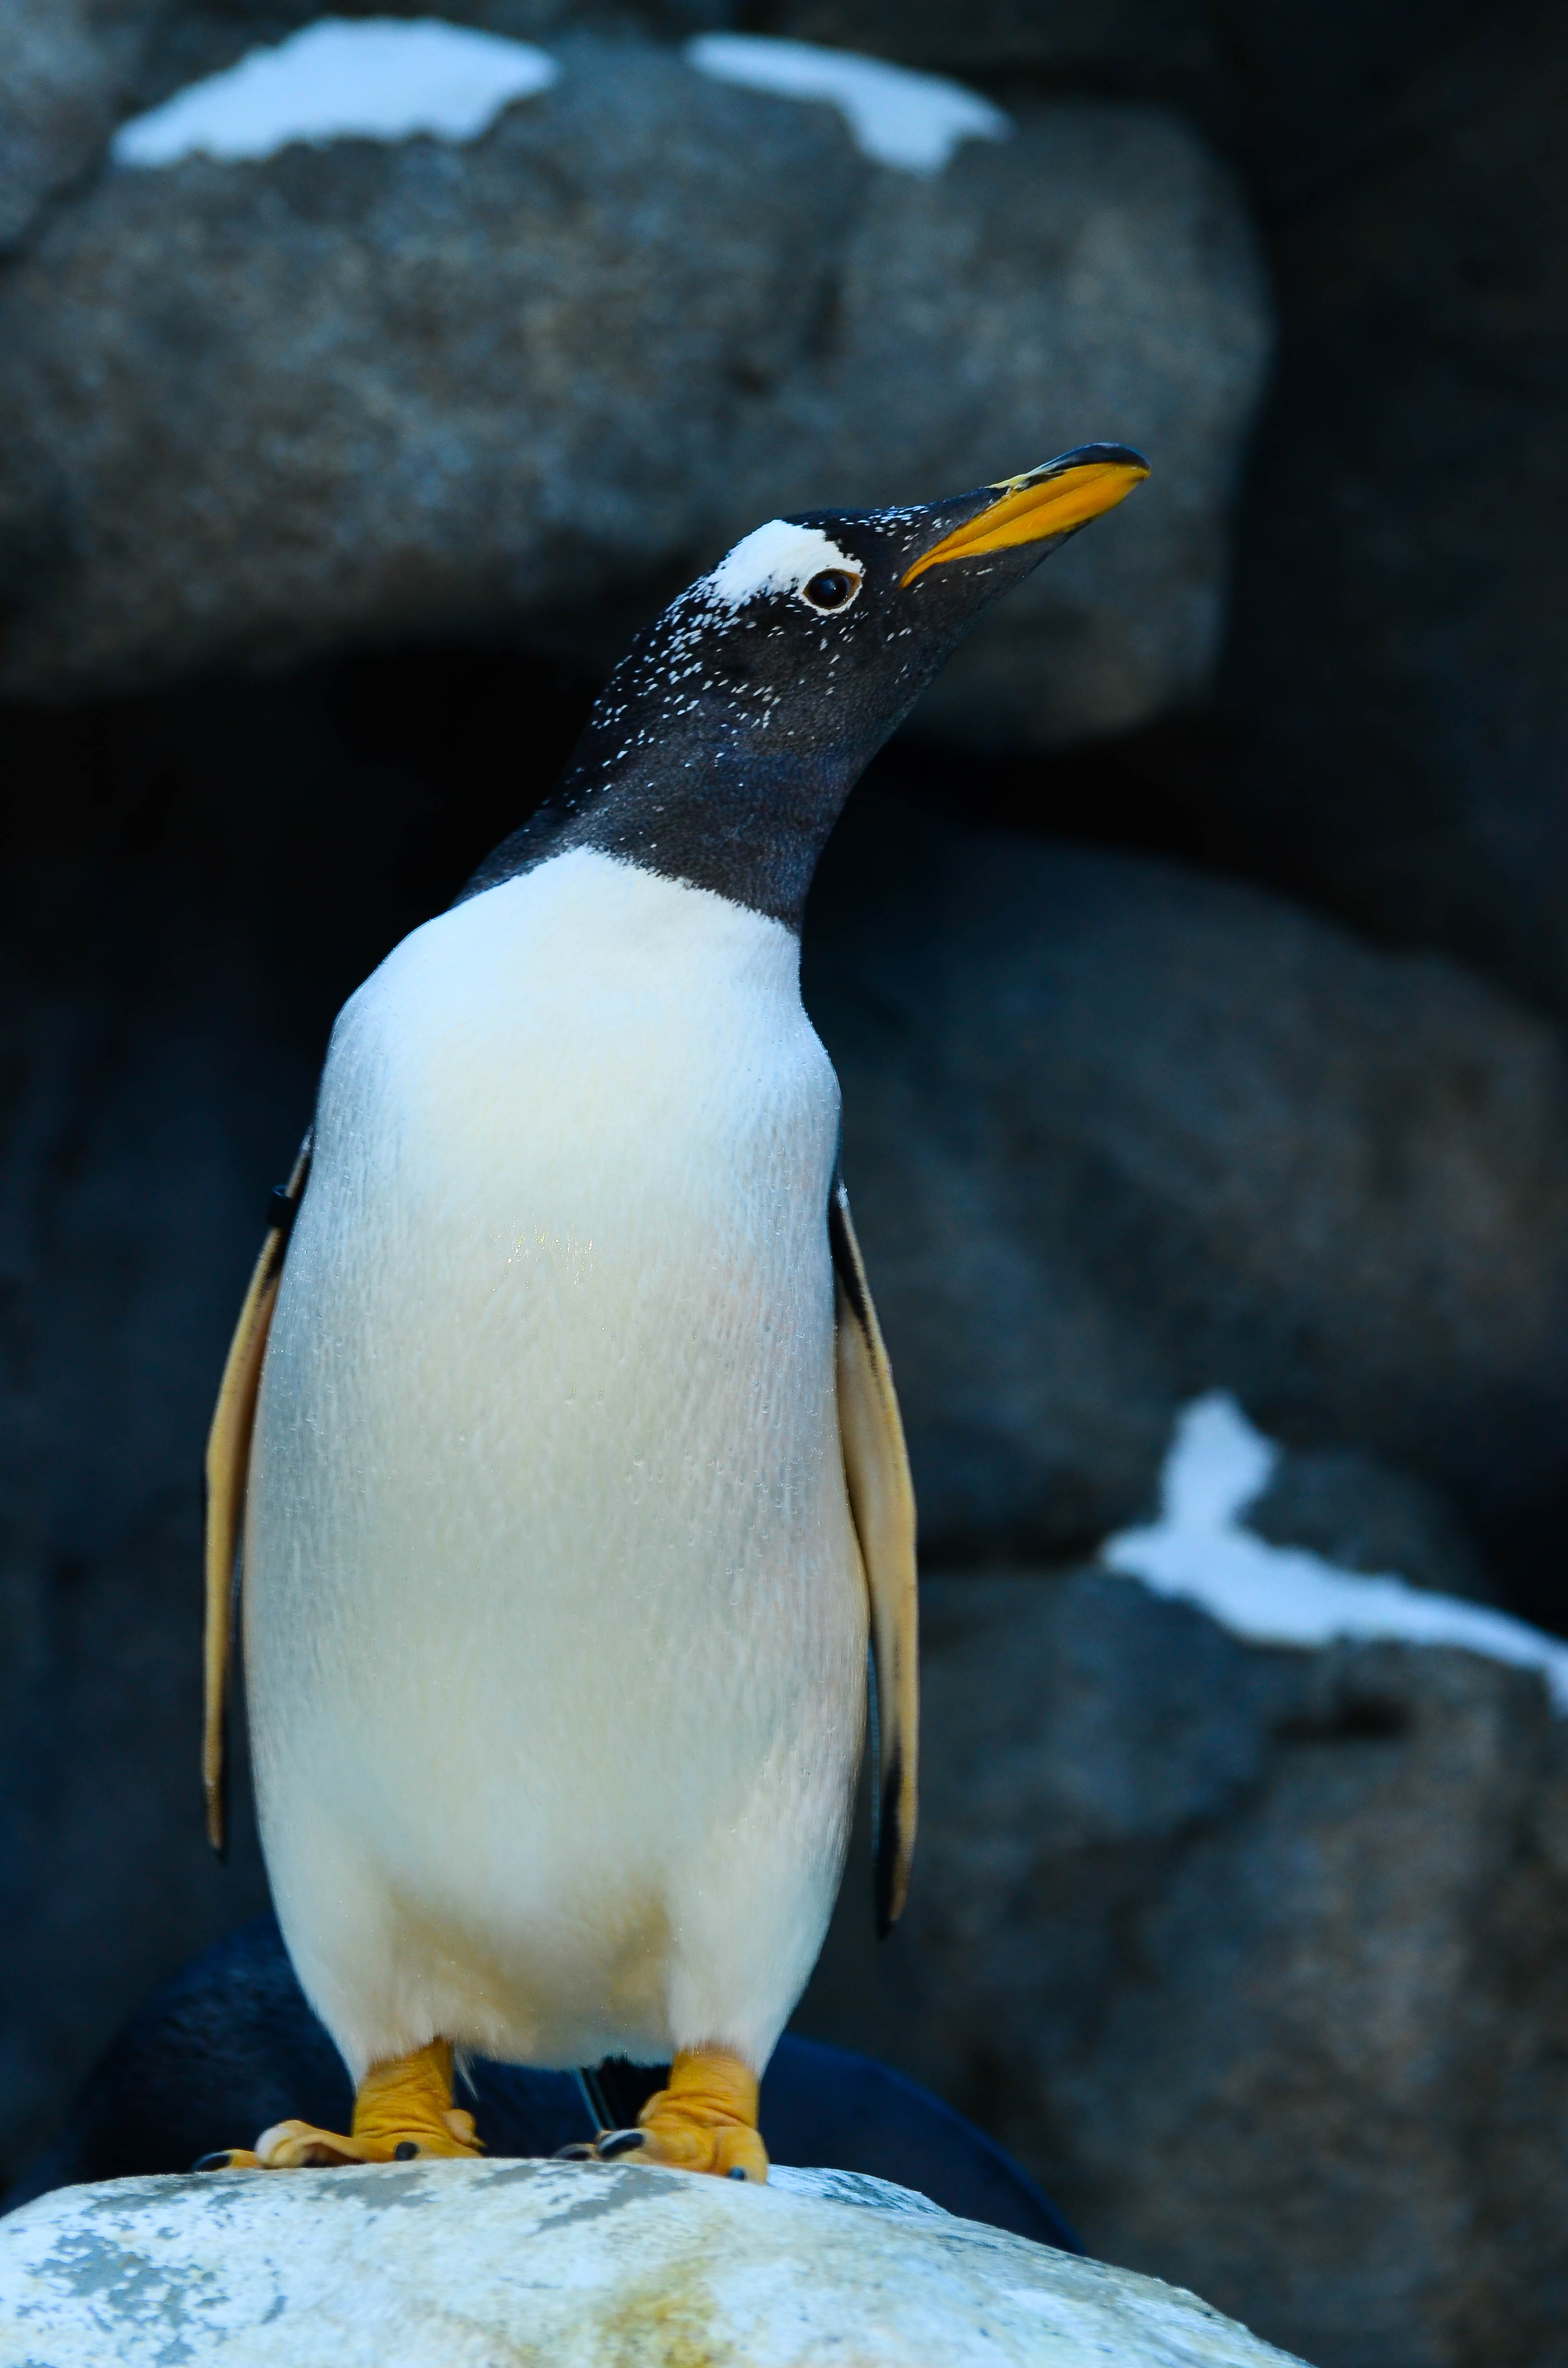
x=727, y=739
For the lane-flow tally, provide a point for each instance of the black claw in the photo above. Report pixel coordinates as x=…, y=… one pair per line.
x=405, y=2151
x=572, y=2154
x=219, y=2161
x=736, y=2173
x=616, y=2142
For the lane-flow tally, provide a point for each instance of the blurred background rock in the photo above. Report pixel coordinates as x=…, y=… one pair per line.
x=1194, y=964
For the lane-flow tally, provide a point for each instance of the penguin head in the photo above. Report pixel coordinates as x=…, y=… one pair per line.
x=727, y=741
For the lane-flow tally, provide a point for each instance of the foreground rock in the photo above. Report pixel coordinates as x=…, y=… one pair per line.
x=1117, y=1134
x=1259, y=1958
x=251, y=411
x=425, y=2268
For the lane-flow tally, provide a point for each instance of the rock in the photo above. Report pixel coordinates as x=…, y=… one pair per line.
x=1260, y=1958
x=1360, y=1516
x=252, y=411
x=1116, y=1134
x=64, y=68
x=570, y=2262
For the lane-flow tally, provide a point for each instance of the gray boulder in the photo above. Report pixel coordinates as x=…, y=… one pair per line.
x=252, y=410
x=70, y=70
x=1259, y=1958
x=576, y=2263
x=1117, y=1134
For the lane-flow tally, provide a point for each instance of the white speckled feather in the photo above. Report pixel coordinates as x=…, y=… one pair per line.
x=555, y=1626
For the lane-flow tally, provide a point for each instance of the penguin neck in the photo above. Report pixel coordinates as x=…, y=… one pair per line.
x=746, y=822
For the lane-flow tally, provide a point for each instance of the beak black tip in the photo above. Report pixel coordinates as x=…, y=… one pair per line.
x=1116, y=456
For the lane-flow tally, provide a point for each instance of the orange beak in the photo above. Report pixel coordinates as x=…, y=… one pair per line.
x=1054, y=499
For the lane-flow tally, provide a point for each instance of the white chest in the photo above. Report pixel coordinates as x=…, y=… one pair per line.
x=555, y=1627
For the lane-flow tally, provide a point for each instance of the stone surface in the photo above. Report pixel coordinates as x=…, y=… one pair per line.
x=1116, y=1134
x=252, y=410
x=1259, y=1958
x=575, y=2263
x=1360, y=1516
x=65, y=66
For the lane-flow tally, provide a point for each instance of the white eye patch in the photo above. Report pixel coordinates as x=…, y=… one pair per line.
x=778, y=557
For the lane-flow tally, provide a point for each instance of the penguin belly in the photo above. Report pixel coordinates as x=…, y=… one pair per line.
x=555, y=1623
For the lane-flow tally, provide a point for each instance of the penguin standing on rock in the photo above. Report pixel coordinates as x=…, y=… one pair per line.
x=557, y=1441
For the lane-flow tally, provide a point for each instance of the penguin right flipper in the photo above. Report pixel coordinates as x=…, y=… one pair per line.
x=881, y=1498
x=227, y=1472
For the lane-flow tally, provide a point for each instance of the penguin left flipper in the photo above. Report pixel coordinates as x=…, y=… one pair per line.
x=881, y=1498
x=227, y=1472
x=705, y=2120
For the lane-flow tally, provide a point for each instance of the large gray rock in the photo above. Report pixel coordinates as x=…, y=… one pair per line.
x=575, y=2263
x=1258, y=1958
x=70, y=70
x=1116, y=1134
x=251, y=411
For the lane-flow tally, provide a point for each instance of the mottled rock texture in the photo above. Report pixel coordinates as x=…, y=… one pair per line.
x=252, y=411
x=1260, y=1958
x=571, y=2262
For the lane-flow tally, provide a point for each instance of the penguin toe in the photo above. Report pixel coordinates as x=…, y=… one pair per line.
x=611, y=2142
x=297, y=2145
x=726, y=2151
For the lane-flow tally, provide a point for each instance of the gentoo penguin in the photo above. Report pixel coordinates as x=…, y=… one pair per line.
x=557, y=1442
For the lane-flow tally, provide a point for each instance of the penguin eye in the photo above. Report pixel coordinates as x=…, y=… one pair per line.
x=833, y=588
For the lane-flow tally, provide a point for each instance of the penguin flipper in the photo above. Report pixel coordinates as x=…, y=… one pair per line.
x=881, y=1498
x=227, y=1471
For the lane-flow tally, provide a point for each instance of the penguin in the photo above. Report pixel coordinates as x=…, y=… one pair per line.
x=557, y=1473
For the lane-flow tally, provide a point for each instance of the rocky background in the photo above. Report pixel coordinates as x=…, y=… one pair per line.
x=1195, y=965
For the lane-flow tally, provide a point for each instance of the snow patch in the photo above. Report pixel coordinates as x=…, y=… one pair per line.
x=912, y=121
x=368, y=78
x=1198, y=1551
x=776, y=557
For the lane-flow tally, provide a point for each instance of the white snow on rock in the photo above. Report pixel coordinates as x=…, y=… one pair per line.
x=1218, y=1465
x=365, y=78
x=460, y=2264
x=912, y=121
